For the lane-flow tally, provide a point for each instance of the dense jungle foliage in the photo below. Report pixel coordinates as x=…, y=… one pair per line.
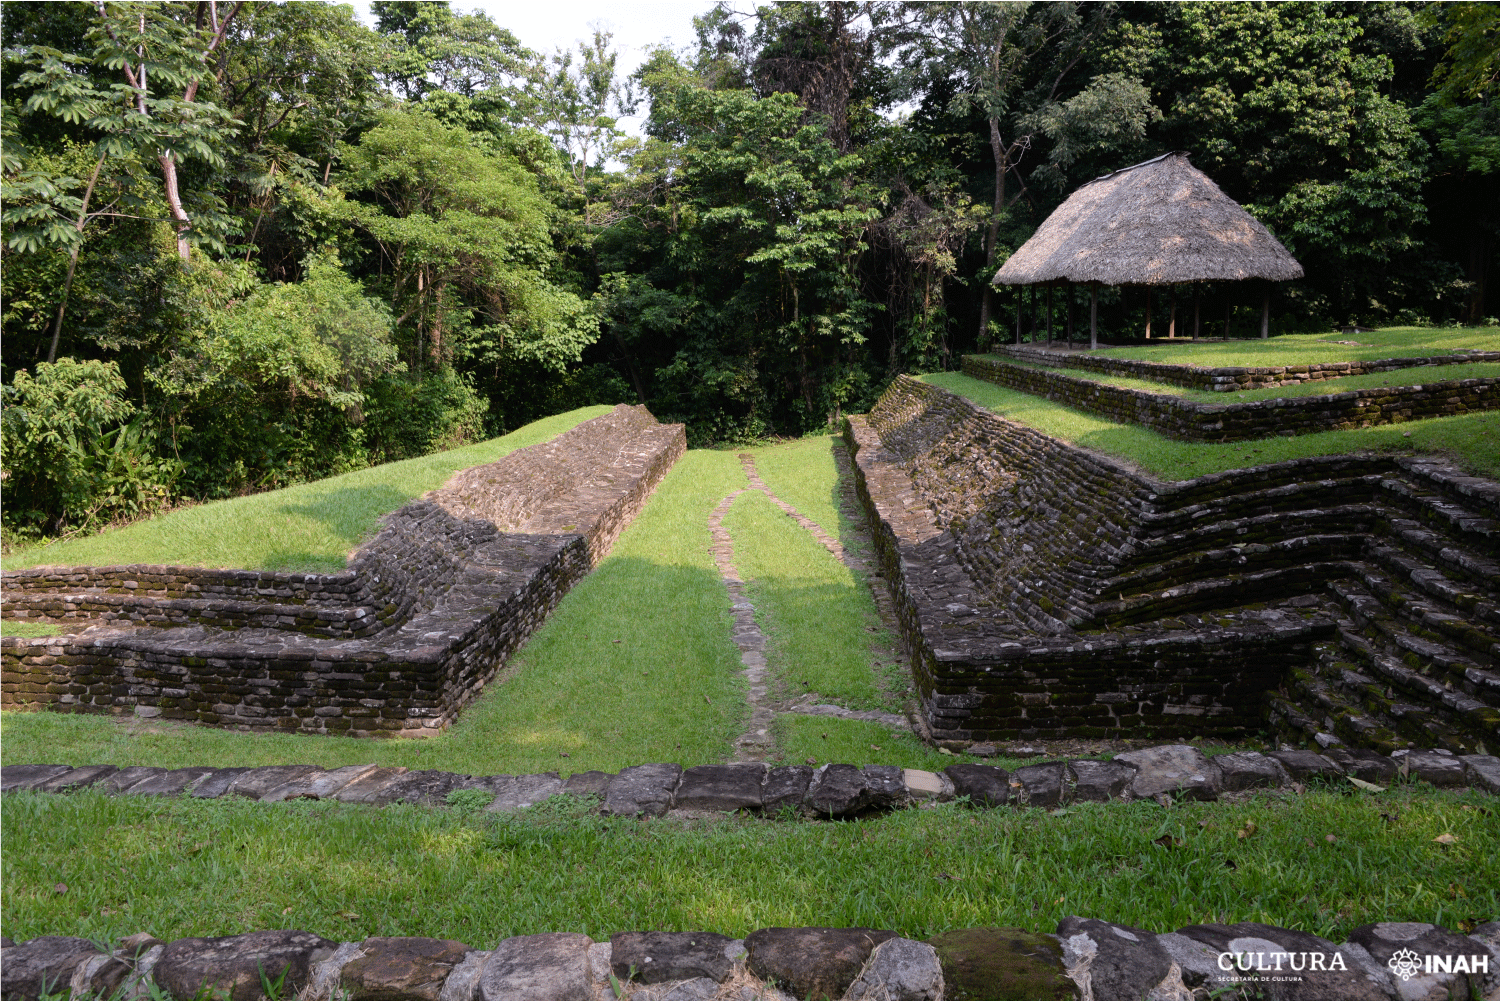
x=250, y=243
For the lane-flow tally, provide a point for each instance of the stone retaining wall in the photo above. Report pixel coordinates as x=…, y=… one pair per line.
x=1232, y=379
x=1186, y=420
x=1085, y=959
x=1047, y=591
x=397, y=644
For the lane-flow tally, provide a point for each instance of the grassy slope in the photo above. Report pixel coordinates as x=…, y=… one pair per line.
x=182, y=867
x=305, y=528
x=1304, y=349
x=1323, y=387
x=1473, y=440
x=575, y=690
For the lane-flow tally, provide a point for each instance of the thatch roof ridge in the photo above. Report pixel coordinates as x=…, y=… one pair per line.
x=1160, y=222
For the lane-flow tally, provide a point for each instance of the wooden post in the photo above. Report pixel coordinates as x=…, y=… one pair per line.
x=1069, y=288
x=1172, y=321
x=1148, y=312
x=1265, y=316
x=1197, y=301
x=1093, y=317
x=1020, y=292
x=1049, y=314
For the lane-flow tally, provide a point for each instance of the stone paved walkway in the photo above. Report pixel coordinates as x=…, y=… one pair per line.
x=757, y=743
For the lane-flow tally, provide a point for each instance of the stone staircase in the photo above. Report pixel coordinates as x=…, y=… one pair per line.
x=1353, y=599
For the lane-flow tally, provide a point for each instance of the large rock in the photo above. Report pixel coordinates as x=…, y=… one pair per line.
x=899, y=969
x=654, y=957
x=885, y=787
x=786, y=787
x=642, y=791
x=258, y=781
x=1100, y=781
x=1111, y=962
x=427, y=787
x=721, y=787
x=234, y=964
x=524, y=791
x=126, y=778
x=318, y=785
x=44, y=964
x=550, y=967
x=1042, y=785
x=401, y=969
x=1265, y=959
x=369, y=788
x=1363, y=764
x=1249, y=770
x=1177, y=770
x=697, y=989
x=216, y=783
x=1483, y=771
x=836, y=791
x=812, y=963
x=78, y=778
x=926, y=787
x=587, y=783
x=1002, y=964
x=170, y=783
x=1402, y=947
x=17, y=778
x=1305, y=766
x=984, y=785
x=1442, y=770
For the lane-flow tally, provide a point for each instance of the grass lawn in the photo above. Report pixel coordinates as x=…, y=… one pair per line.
x=635, y=665
x=1471, y=440
x=311, y=527
x=9, y=627
x=803, y=474
x=1401, y=377
x=1304, y=349
x=1323, y=862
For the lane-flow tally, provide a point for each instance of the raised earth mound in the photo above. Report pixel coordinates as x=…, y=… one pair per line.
x=1047, y=591
x=398, y=643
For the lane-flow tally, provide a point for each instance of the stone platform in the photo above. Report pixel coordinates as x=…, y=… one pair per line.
x=397, y=644
x=1047, y=591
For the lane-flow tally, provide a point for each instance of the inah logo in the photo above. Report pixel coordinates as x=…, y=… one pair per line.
x=1405, y=963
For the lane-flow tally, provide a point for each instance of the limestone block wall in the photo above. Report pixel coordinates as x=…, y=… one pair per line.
x=1232, y=379
x=1047, y=591
x=398, y=643
x=1187, y=420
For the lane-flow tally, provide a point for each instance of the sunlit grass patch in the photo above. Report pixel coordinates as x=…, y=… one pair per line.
x=1304, y=349
x=1472, y=440
x=1324, y=862
x=305, y=528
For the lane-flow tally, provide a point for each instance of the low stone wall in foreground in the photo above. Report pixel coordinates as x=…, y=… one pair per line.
x=396, y=644
x=1187, y=420
x=1231, y=379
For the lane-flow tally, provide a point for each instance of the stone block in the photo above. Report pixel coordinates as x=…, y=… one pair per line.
x=1100, y=781
x=47, y=962
x=1177, y=770
x=1363, y=764
x=899, y=969
x=401, y=969
x=77, y=778
x=1259, y=946
x=256, y=782
x=785, y=786
x=172, y=783
x=1442, y=770
x=1043, y=786
x=927, y=787
x=234, y=964
x=642, y=791
x=368, y=788
x=587, y=783
x=547, y=967
x=721, y=787
x=18, y=778
x=216, y=783
x=1112, y=962
x=318, y=785
x=813, y=963
x=659, y=957
x=525, y=791
x=836, y=791
x=984, y=785
x=999, y=964
x=1483, y=771
x=1307, y=765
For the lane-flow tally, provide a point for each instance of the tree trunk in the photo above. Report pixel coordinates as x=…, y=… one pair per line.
x=992, y=237
x=62, y=307
x=1093, y=317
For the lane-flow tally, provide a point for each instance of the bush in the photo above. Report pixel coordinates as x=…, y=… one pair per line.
x=72, y=455
x=404, y=419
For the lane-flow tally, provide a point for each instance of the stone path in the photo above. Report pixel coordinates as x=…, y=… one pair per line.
x=757, y=743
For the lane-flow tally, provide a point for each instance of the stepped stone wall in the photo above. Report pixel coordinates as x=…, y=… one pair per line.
x=398, y=643
x=1046, y=591
x=1187, y=420
x=1232, y=379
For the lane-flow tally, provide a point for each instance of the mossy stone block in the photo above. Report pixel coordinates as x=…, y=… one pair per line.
x=1002, y=964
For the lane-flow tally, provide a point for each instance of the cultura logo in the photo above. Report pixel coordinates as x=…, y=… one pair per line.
x=1405, y=963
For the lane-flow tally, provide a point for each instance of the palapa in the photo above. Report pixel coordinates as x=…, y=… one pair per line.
x=1162, y=222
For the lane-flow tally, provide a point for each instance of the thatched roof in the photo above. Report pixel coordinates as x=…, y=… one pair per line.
x=1158, y=223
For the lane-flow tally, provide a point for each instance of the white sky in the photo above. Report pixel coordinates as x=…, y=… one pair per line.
x=544, y=25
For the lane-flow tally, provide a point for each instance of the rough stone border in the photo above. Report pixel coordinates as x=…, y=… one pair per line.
x=1232, y=379
x=831, y=791
x=1085, y=959
x=1187, y=420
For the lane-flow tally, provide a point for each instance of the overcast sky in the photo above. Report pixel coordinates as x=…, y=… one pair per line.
x=545, y=25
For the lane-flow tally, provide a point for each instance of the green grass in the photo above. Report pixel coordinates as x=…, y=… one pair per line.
x=668, y=690
x=1304, y=349
x=306, y=528
x=829, y=740
x=9, y=627
x=803, y=474
x=1401, y=377
x=1471, y=440
x=820, y=621
x=180, y=867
